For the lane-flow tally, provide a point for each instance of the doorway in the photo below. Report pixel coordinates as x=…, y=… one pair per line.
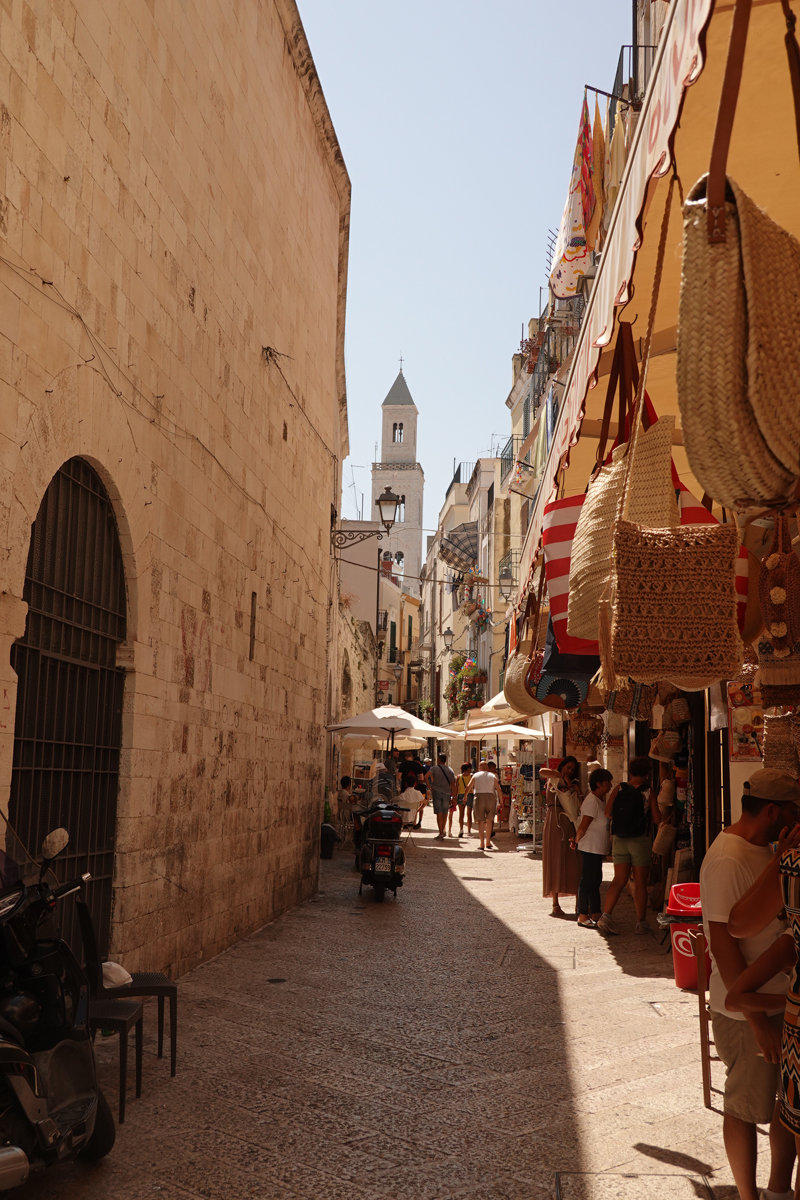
x=68, y=725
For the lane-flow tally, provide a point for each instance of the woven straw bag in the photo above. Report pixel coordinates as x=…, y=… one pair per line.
x=674, y=597
x=738, y=360
x=665, y=838
x=665, y=746
x=634, y=700
x=780, y=752
x=521, y=659
x=675, y=604
x=652, y=495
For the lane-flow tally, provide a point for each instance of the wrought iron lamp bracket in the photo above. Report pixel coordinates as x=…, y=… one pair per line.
x=351, y=537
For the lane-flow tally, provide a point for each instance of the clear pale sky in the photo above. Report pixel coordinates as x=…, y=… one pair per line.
x=458, y=124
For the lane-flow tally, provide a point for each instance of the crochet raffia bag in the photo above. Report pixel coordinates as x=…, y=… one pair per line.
x=780, y=752
x=652, y=494
x=738, y=350
x=673, y=592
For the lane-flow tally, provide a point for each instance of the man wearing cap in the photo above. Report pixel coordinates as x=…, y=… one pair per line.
x=749, y=1046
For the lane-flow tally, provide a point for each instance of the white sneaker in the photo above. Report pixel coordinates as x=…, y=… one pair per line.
x=766, y=1194
x=606, y=925
x=643, y=927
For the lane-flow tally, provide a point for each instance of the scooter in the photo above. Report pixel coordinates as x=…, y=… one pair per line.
x=379, y=856
x=51, y=1108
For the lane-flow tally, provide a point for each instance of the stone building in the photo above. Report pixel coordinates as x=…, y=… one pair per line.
x=174, y=215
x=398, y=469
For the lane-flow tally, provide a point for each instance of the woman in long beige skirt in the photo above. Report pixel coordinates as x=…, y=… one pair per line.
x=561, y=865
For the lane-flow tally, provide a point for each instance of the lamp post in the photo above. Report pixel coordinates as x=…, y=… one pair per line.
x=447, y=638
x=388, y=504
x=506, y=582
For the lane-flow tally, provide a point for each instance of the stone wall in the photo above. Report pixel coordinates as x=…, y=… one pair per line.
x=174, y=215
x=356, y=660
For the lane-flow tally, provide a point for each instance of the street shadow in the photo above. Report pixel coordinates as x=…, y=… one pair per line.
x=674, y=1158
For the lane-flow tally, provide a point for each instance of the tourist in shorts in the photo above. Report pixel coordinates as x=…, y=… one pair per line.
x=465, y=801
x=633, y=811
x=443, y=785
x=485, y=786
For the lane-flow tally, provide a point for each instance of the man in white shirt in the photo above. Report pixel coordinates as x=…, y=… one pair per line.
x=749, y=1046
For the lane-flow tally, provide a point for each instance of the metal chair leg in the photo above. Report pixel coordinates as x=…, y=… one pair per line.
x=139, y=1042
x=160, y=1026
x=173, y=1033
x=123, y=1073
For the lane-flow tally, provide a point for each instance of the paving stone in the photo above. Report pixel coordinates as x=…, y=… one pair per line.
x=440, y=1047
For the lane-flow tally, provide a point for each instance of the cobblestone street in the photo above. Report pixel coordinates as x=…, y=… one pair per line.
x=458, y=1042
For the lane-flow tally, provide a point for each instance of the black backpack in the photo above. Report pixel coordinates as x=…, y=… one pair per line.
x=629, y=818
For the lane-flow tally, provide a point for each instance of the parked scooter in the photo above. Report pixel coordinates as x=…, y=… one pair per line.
x=51, y=1108
x=379, y=856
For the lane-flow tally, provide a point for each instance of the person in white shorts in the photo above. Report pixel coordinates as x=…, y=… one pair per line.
x=485, y=786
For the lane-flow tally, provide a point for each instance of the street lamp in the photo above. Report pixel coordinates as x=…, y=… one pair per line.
x=506, y=583
x=448, y=637
x=388, y=505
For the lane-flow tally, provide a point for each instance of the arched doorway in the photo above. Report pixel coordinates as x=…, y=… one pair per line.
x=68, y=724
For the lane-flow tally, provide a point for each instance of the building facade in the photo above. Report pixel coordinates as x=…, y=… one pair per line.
x=398, y=469
x=174, y=217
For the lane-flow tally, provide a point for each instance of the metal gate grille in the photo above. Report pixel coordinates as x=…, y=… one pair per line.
x=69, y=700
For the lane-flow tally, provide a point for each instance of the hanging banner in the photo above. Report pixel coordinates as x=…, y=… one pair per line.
x=678, y=65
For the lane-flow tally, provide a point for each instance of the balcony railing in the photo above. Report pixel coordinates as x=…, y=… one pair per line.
x=462, y=475
x=634, y=68
x=508, y=456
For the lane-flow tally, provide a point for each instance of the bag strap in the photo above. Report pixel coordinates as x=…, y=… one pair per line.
x=715, y=187
x=651, y=320
x=625, y=375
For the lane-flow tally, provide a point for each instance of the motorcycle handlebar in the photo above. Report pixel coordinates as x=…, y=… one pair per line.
x=67, y=889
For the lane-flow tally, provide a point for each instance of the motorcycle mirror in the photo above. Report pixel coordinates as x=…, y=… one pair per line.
x=54, y=844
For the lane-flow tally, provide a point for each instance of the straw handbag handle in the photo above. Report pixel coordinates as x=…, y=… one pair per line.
x=625, y=374
x=715, y=188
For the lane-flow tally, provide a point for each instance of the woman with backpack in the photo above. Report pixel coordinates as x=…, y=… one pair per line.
x=561, y=863
x=633, y=810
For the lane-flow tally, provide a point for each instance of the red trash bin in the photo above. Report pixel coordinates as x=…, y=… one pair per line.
x=684, y=900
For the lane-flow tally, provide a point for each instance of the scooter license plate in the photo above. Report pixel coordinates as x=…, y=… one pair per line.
x=383, y=864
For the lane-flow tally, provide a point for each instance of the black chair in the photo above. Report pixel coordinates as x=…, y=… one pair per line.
x=145, y=983
x=117, y=1015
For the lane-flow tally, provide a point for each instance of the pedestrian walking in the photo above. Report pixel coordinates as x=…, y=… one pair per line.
x=561, y=864
x=593, y=842
x=465, y=802
x=633, y=811
x=743, y=935
x=443, y=786
x=485, y=786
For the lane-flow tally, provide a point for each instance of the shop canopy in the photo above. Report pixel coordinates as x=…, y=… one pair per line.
x=686, y=84
x=459, y=548
x=387, y=721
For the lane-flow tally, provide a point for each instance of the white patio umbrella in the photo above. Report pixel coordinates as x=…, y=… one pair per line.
x=389, y=720
x=359, y=741
x=483, y=732
x=499, y=708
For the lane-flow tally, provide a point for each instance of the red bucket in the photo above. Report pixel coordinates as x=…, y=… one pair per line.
x=684, y=899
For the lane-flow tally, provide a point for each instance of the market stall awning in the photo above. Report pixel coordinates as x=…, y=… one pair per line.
x=679, y=63
x=460, y=548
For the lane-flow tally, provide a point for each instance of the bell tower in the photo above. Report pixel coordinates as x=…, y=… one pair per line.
x=398, y=467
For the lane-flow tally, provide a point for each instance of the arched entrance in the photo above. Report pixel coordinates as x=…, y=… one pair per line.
x=69, y=701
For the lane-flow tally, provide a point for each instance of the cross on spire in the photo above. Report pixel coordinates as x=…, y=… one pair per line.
x=401, y=364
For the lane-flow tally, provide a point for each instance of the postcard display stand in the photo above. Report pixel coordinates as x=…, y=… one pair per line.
x=527, y=797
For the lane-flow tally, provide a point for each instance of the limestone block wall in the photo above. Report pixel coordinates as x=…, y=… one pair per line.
x=356, y=662
x=174, y=216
